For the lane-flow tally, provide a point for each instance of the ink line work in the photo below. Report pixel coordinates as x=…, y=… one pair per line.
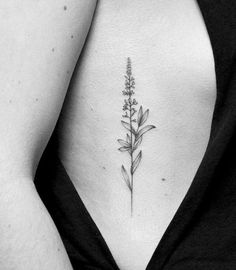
x=134, y=124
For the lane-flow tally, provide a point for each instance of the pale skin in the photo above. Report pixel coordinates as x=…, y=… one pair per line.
x=40, y=44
x=174, y=73
x=173, y=67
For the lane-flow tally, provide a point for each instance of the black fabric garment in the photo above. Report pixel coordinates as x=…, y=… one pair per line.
x=202, y=234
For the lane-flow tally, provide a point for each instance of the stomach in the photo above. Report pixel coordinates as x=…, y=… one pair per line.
x=137, y=119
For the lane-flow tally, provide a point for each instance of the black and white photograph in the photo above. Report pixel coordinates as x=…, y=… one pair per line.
x=117, y=135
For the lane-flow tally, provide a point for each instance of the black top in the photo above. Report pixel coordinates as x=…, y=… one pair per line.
x=202, y=234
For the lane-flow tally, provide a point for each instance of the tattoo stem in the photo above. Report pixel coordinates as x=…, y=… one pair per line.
x=131, y=155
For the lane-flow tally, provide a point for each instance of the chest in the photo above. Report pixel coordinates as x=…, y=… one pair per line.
x=173, y=66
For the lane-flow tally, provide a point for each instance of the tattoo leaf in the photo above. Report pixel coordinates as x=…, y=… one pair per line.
x=136, y=162
x=125, y=176
x=144, y=130
x=144, y=117
x=123, y=143
x=124, y=149
x=138, y=142
x=128, y=138
x=127, y=126
x=140, y=114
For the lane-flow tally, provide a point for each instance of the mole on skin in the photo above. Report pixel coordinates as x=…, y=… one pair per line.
x=65, y=8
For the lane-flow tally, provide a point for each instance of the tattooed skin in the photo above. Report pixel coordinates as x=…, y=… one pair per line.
x=135, y=130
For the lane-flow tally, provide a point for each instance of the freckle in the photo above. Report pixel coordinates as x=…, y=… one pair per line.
x=163, y=179
x=58, y=250
x=68, y=72
x=53, y=49
x=65, y=8
x=36, y=99
x=104, y=168
x=72, y=36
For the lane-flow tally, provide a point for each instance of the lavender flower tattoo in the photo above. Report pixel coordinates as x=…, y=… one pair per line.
x=134, y=125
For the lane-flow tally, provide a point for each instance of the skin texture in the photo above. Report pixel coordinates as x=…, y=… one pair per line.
x=40, y=44
x=173, y=67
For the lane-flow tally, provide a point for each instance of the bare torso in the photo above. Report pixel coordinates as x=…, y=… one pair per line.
x=173, y=67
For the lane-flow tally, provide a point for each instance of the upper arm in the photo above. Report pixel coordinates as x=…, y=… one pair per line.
x=40, y=44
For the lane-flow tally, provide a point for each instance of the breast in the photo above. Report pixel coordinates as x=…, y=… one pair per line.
x=173, y=67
